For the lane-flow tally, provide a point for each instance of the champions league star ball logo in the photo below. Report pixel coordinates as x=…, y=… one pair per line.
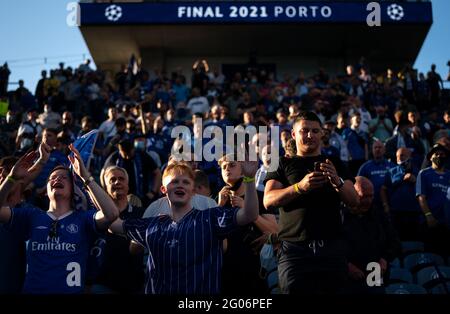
x=395, y=12
x=113, y=13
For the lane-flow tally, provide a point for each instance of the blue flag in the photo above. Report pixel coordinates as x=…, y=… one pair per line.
x=397, y=174
x=85, y=145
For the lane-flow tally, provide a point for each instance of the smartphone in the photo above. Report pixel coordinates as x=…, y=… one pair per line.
x=317, y=166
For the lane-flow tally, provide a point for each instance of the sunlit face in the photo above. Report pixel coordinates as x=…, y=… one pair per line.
x=86, y=125
x=281, y=117
x=412, y=117
x=258, y=141
x=112, y=113
x=266, y=153
x=355, y=121
x=49, y=138
x=438, y=153
x=341, y=122
x=215, y=112
x=231, y=171
x=179, y=189
x=116, y=184
x=446, y=118
x=402, y=155
x=248, y=117
x=285, y=137
x=308, y=136
x=59, y=185
x=66, y=118
x=170, y=115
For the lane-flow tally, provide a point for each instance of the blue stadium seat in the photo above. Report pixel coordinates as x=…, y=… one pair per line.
x=441, y=289
x=432, y=276
x=272, y=282
x=268, y=259
x=400, y=275
x=396, y=263
x=410, y=247
x=418, y=261
x=402, y=288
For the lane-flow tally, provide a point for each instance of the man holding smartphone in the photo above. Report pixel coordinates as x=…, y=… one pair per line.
x=312, y=255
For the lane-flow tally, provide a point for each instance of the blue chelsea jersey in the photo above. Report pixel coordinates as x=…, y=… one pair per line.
x=57, y=250
x=434, y=186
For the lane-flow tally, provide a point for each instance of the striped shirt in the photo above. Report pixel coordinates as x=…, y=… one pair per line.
x=185, y=257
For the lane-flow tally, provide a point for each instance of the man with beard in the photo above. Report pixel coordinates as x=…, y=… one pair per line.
x=431, y=190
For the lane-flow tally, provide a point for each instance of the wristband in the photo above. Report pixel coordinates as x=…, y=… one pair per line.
x=297, y=189
x=11, y=179
x=248, y=179
x=41, y=162
x=341, y=183
x=428, y=214
x=88, y=181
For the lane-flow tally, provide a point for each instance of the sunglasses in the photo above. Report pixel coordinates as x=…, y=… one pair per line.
x=53, y=233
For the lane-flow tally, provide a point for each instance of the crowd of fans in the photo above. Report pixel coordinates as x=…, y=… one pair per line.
x=386, y=133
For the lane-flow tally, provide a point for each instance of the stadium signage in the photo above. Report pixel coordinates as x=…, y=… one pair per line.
x=253, y=11
x=234, y=12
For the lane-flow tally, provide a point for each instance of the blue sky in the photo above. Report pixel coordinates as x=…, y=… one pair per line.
x=31, y=30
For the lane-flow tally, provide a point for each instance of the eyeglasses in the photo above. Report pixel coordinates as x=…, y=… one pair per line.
x=53, y=233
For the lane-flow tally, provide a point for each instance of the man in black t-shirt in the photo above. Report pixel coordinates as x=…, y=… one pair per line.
x=308, y=189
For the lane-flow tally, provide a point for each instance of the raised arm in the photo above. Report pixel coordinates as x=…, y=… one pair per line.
x=249, y=213
x=108, y=211
x=18, y=172
x=35, y=170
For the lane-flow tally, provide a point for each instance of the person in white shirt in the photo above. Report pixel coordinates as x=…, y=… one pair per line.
x=365, y=115
x=198, y=103
x=200, y=200
x=49, y=119
x=262, y=171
